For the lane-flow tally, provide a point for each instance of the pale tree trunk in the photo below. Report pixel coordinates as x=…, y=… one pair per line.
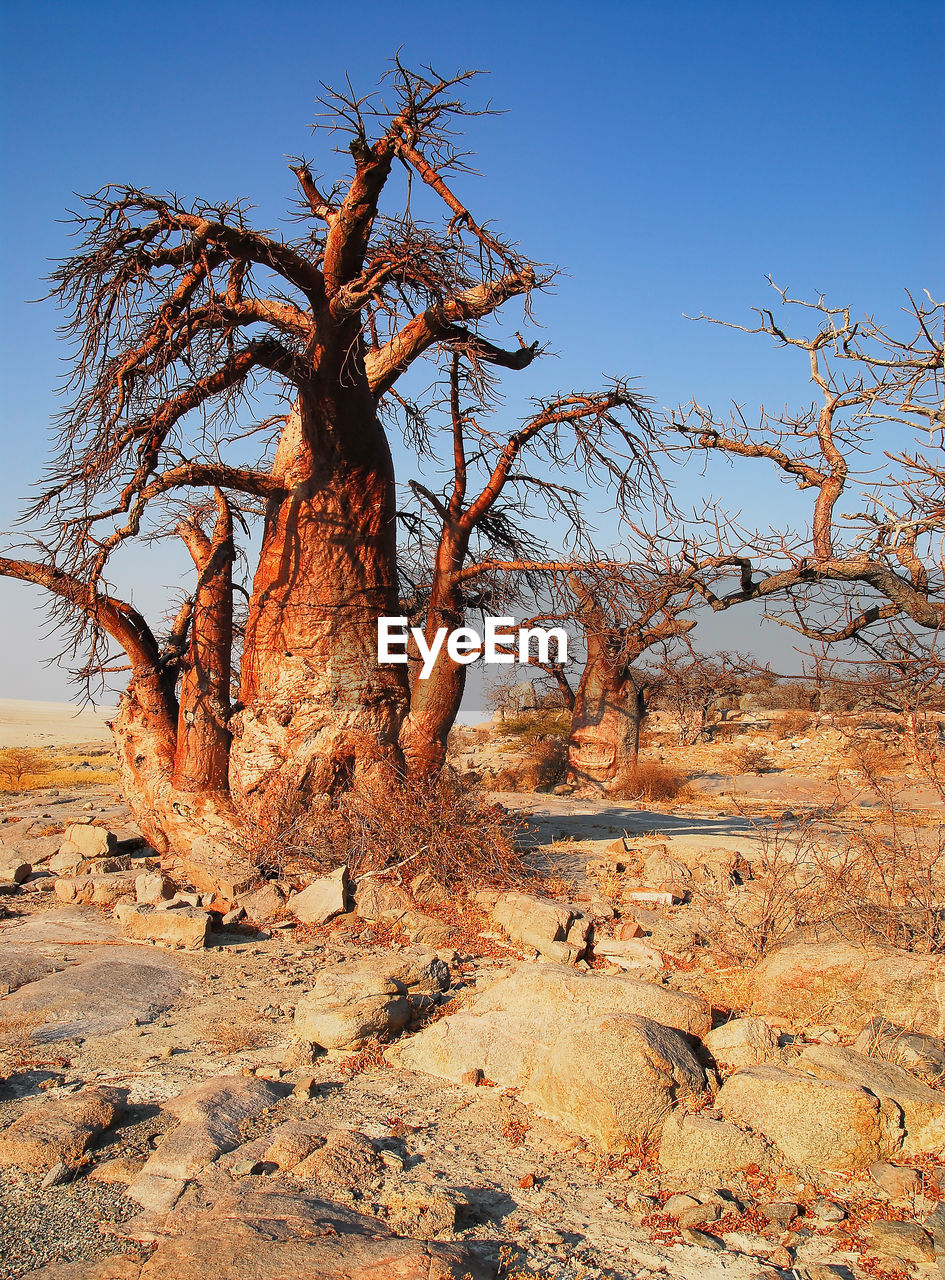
x=604, y=738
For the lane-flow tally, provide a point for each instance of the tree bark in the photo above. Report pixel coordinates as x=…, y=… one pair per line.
x=201, y=761
x=318, y=713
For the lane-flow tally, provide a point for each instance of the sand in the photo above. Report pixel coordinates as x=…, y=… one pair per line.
x=52, y=724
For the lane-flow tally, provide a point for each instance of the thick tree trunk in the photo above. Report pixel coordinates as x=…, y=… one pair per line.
x=319, y=714
x=605, y=724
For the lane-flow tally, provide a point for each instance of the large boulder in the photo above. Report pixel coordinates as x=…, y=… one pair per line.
x=699, y=1144
x=922, y=1108
x=271, y=1231
x=96, y=890
x=845, y=984
x=120, y=988
x=823, y=1124
x=59, y=1130
x=613, y=1078
x=604, y=1056
x=558, y=993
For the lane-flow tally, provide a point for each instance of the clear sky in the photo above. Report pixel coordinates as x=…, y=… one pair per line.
x=666, y=155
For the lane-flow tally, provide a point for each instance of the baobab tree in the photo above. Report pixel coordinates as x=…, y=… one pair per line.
x=182, y=316
x=620, y=610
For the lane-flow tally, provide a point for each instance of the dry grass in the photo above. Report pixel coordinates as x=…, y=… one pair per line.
x=25, y=769
x=370, y=1058
x=653, y=780
x=17, y=1050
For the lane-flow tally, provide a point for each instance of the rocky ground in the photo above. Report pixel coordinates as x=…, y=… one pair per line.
x=603, y=1073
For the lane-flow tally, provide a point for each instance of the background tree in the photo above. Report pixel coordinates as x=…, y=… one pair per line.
x=690, y=685
x=600, y=438
x=846, y=572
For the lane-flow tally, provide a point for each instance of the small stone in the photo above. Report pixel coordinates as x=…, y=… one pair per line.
x=527, y=1182
x=247, y=1168
x=474, y=1077
x=185, y=927
x=678, y=1204
x=233, y=917
x=826, y=1211
x=896, y=1180
x=323, y=899
x=58, y=1174
x=88, y=841
x=906, y=1240
x=262, y=904
x=298, y=1055
x=703, y=1240
x=119, y=1171
x=152, y=887
x=742, y=1042
x=13, y=867
x=700, y=1215
x=780, y=1213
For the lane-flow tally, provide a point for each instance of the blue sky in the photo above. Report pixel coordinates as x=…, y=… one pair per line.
x=666, y=156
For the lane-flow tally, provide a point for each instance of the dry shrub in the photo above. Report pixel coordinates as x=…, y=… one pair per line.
x=234, y=1037
x=877, y=879
x=751, y=758
x=873, y=760
x=434, y=825
x=537, y=724
x=793, y=724
x=542, y=764
x=792, y=695
x=652, y=780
